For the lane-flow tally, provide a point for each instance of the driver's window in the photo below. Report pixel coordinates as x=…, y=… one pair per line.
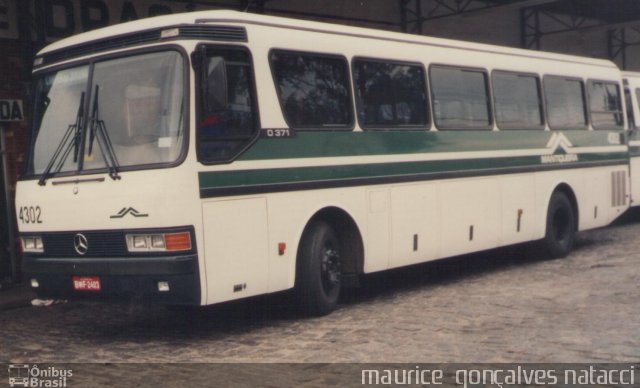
x=227, y=118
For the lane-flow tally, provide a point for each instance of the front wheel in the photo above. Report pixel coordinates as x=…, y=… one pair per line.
x=318, y=281
x=561, y=226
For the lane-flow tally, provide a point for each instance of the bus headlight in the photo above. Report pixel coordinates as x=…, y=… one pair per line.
x=159, y=242
x=32, y=244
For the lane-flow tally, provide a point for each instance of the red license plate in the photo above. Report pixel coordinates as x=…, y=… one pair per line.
x=86, y=283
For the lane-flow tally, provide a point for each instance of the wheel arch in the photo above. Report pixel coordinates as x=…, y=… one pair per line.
x=350, y=238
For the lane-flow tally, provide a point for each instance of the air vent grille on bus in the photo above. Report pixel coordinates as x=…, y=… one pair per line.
x=214, y=33
x=220, y=33
x=618, y=188
x=101, y=244
x=101, y=45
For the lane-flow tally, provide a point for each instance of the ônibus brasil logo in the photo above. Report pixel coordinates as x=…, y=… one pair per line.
x=25, y=375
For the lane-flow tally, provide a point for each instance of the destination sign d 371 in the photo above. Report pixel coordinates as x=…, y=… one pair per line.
x=11, y=110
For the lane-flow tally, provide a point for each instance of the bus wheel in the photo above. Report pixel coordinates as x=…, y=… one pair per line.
x=318, y=280
x=561, y=226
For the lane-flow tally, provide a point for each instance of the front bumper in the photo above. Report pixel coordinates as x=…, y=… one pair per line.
x=121, y=279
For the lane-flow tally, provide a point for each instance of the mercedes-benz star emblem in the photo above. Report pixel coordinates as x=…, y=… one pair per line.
x=80, y=243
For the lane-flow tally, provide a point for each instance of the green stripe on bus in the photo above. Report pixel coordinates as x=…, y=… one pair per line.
x=313, y=144
x=220, y=180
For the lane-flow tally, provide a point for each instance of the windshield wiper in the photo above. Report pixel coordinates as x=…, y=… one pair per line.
x=72, y=139
x=97, y=129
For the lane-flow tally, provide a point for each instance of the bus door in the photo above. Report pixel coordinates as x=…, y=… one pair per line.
x=632, y=95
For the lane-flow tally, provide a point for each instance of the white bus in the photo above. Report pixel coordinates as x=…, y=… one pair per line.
x=211, y=156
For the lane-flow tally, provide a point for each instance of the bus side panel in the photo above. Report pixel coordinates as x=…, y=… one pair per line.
x=415, y=224
x=596, y=202
x=236, y=248
x=466, y=217
x=377, y=246
x=471, y=218
x=518, y=208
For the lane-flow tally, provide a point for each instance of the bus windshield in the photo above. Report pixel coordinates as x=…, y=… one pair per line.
x=110, y=114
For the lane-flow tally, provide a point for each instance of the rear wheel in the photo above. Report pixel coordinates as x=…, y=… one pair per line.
x=318, y=277
x=561, y=226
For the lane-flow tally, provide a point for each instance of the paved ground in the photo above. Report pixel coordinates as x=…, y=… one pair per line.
x=500, y=306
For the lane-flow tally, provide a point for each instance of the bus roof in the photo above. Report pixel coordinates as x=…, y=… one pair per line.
x=630, y=74
x=239, y=18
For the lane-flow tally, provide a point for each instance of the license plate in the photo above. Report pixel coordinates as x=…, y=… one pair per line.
x=86, y=283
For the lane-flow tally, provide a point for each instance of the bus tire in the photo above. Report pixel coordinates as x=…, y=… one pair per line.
x=318, y=281
x=561, y=226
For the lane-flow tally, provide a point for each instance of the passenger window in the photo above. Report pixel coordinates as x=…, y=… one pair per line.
x=605, y=105
x=565, y=102
x=227, y=117
x=390, y=94
x=313, y=89
x=518, y=101
x=460, y=98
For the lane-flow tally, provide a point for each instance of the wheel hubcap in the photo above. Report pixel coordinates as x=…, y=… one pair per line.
x=330, y=268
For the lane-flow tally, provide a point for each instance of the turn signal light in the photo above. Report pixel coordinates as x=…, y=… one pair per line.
x=178, y=241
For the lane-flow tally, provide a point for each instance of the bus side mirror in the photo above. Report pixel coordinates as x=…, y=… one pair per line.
x=214, y=84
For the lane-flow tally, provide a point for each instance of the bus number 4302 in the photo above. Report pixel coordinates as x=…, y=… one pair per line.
x=30, y=215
